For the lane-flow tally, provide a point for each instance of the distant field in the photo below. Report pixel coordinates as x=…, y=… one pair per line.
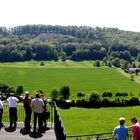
x=80, y=76
x=50, y=64
x=91, y=121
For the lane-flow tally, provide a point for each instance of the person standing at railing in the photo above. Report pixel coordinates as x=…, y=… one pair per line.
x=12, y=111
x=121, y=132
x=135, y=127
x=37, y=106
x=46, y=113
x=1, y=112
x=28, y=111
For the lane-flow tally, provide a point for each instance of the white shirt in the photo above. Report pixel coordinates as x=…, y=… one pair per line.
x=12, y=101
x=1, y=104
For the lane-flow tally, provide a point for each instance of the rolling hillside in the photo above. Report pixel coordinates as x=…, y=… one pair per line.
x=79, y=77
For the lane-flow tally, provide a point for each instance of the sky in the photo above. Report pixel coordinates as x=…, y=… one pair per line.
x=122, y=14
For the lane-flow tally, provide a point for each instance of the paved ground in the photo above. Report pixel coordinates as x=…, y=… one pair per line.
x=16, y=135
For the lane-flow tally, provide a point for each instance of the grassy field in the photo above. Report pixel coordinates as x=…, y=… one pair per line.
x=80, y=76
x=91, y=121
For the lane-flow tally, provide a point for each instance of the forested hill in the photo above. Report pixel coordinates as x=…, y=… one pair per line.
x=46, y=42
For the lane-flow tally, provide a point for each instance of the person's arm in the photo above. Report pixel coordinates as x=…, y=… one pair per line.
x=32, y=105
x=17, y=99
x=130, y=127
x=7, y=99
x=114, y=133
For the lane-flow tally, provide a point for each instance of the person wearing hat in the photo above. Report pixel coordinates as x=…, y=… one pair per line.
x=12, y=111
x=28, y=112
x=135, y=127
x=121, y=132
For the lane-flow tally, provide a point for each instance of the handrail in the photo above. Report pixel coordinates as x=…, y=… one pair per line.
x=58, y=125
x=21, y=114
x=56, y=121
x=97, y=136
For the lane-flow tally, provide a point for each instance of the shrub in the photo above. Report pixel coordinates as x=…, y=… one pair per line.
x=82, y=103
x=94, y=96
x=62, y=104
x=121, y=94
x=19, y=90
x=80, y=94
x=97, y=63
x=105, y=102
x=132, y=102
x=94, y=100
x=42, y=63
x=4, y=88
x=65, y=92
x=54, y=93
x=107, y=94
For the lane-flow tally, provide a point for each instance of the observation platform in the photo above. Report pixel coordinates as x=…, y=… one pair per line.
x=17, y=135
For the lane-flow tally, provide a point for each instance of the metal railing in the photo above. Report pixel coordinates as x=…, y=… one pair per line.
x=21, y=115
x=59, y=128
x=99, y=136
x=56, y=122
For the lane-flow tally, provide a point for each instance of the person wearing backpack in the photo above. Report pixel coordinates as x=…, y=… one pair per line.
x=46, y=112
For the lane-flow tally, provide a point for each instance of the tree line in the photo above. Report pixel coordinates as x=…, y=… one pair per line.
x=46, y=42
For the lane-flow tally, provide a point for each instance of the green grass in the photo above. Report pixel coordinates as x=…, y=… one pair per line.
x=91, y=121
x=81, y=78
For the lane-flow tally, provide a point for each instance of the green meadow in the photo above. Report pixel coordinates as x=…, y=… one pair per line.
x=92, y=121
x=79, y=76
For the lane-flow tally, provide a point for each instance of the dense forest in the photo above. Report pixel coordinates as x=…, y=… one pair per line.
x=46, y=42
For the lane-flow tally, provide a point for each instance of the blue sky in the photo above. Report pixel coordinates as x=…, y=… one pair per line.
x=122, y=14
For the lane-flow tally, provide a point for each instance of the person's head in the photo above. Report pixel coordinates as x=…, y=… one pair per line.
x=41, y=95
x=37, y=95
x=121, y=120
x=12, y=94
x=40, y=91
x=134, y=120
x=27, y=93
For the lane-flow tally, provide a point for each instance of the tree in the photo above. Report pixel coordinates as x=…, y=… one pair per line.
x=63, y=56
x=116, y=62
x=134, y=65
x=97, y=63
x=109, y=63
x=107, y=94
x=124, y=64
x=19, y=90
x=80, y=94
x=4, y=88
x=132, y=77
x=56, y=55
x=42, y=63
x=94, y=96
x=138, y=57
x=65, y=92
x=54, y=93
